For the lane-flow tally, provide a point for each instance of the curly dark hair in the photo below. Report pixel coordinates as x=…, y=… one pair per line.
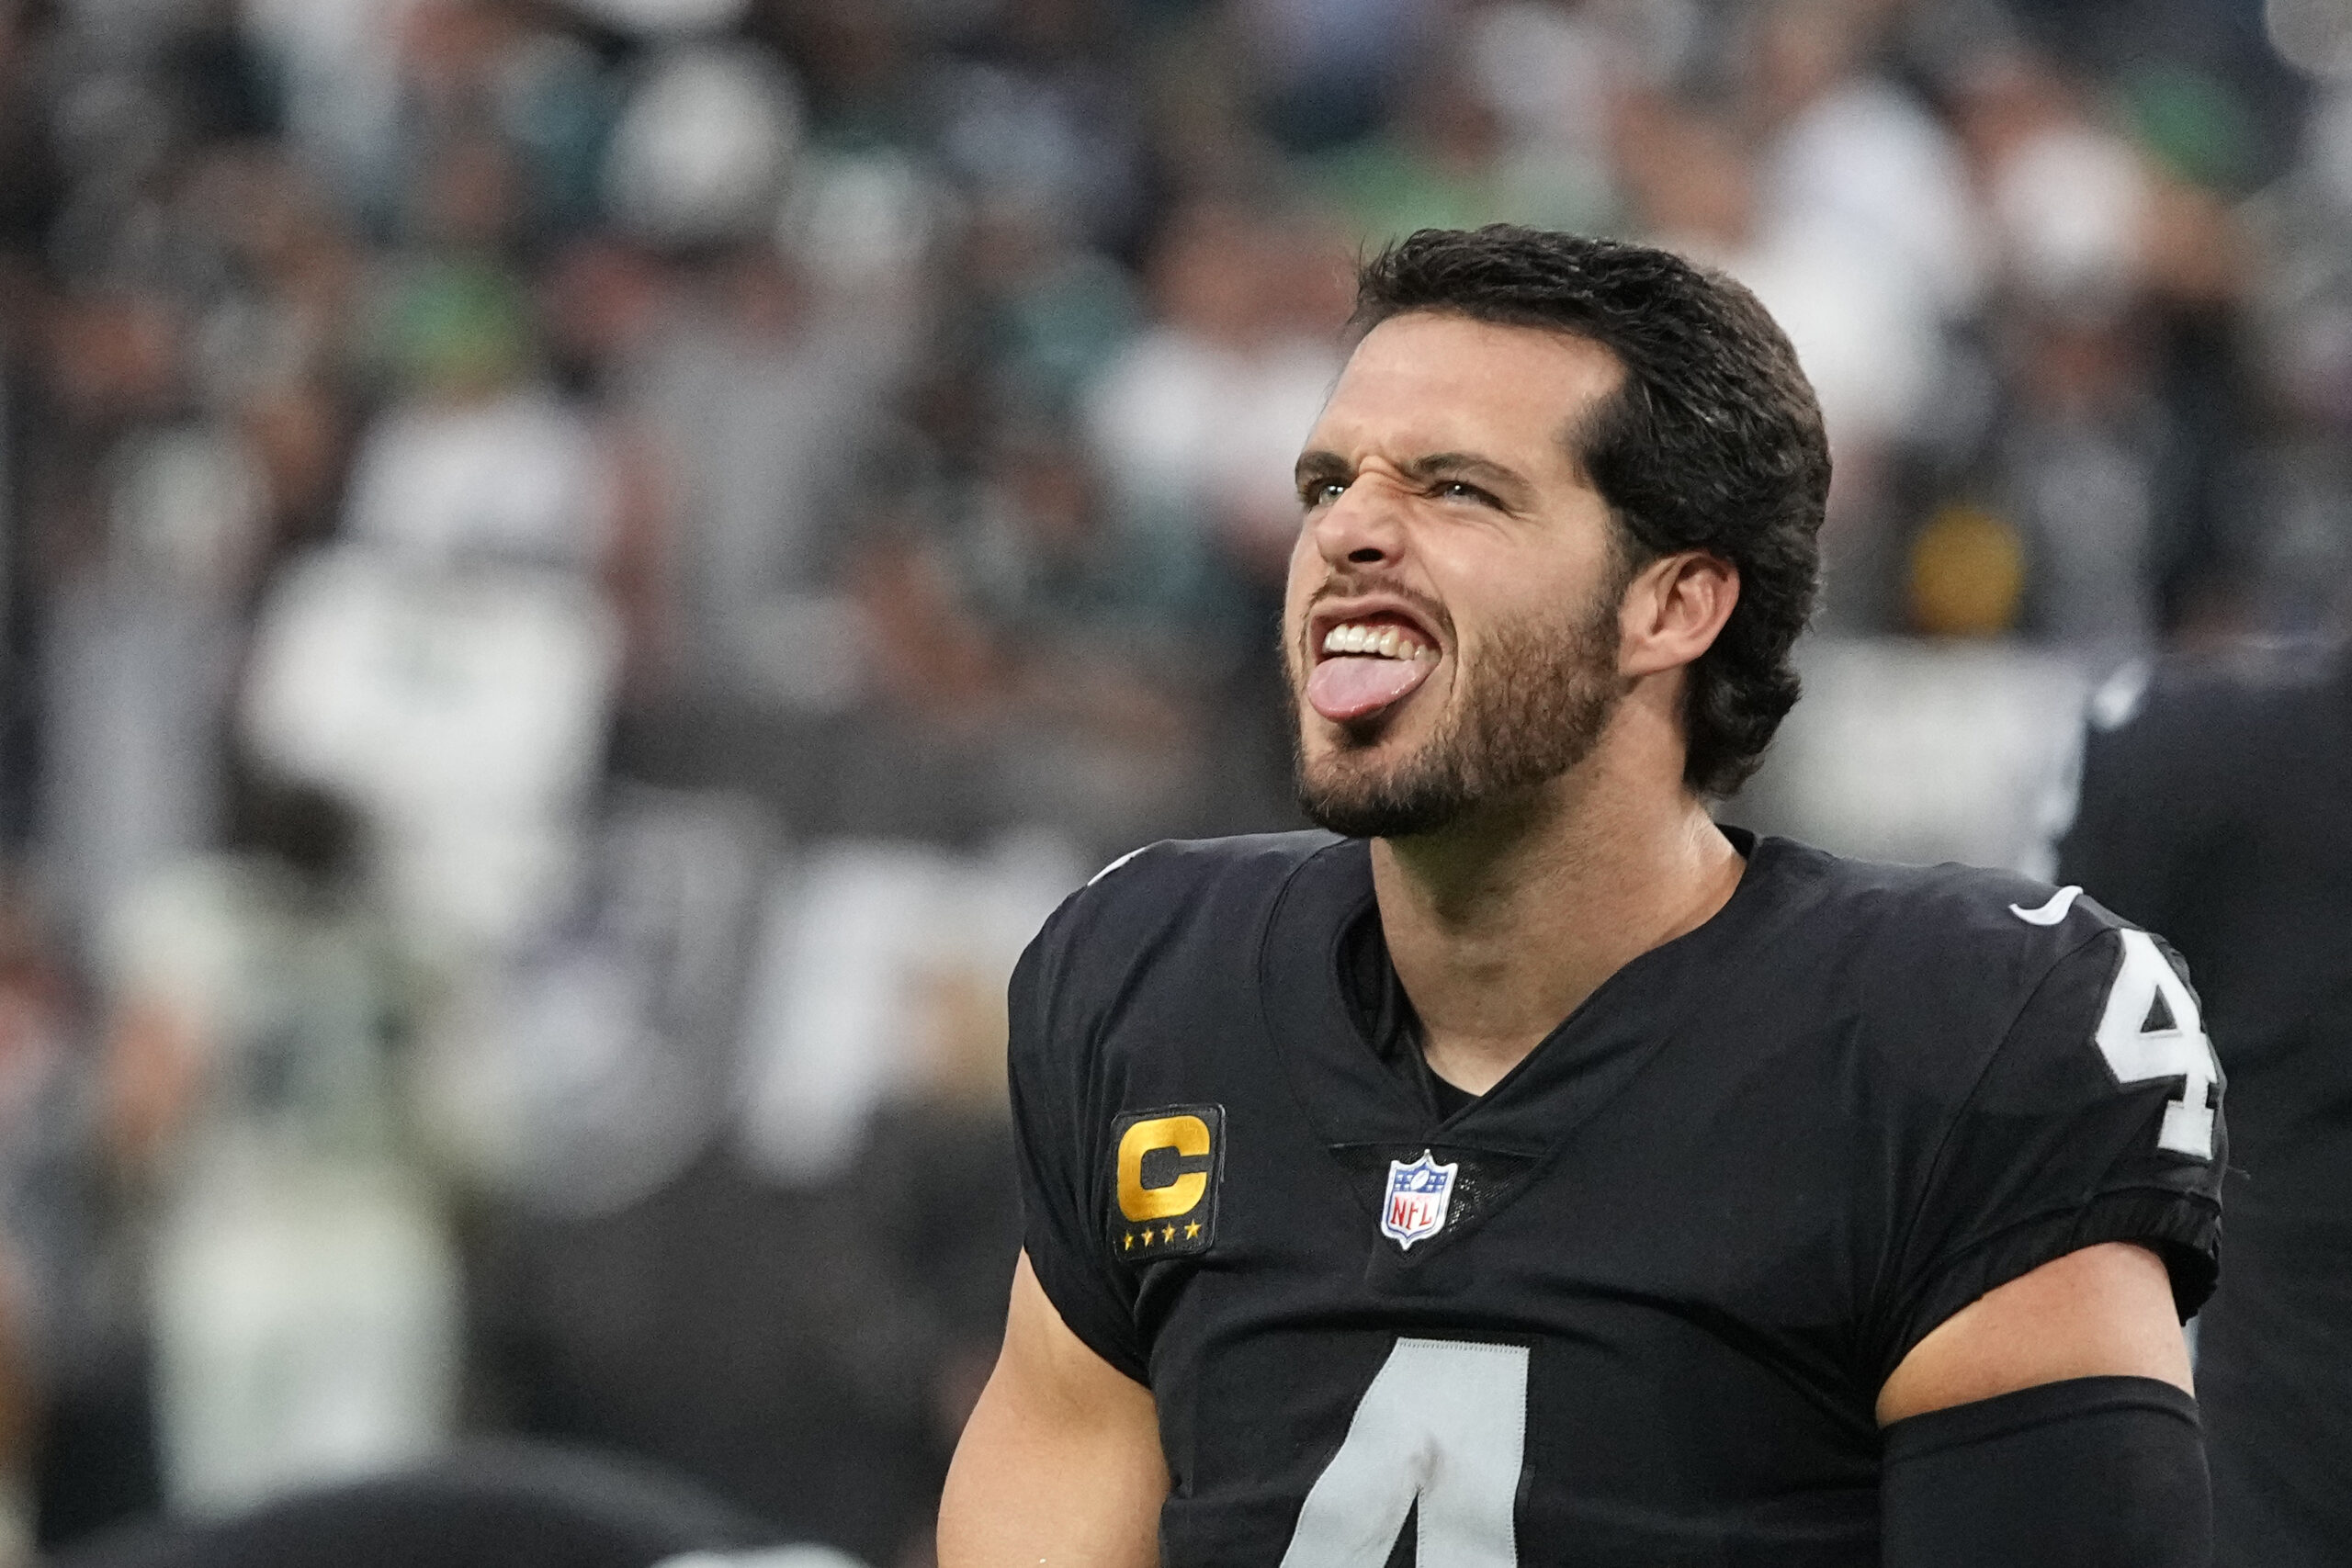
x=1712, y=442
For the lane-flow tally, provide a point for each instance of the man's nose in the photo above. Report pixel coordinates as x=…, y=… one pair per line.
x=1364, y=527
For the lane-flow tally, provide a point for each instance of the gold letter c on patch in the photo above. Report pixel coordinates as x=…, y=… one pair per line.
x=1189, y=1137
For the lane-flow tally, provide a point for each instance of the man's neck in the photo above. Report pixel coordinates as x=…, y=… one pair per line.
x=1501, y=926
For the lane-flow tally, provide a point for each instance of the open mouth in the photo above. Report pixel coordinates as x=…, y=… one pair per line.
x=1366, y=664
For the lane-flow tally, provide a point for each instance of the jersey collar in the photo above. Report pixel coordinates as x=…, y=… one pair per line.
x=1354, y=1096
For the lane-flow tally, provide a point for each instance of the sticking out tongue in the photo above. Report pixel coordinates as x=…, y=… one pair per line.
x=1353, y=686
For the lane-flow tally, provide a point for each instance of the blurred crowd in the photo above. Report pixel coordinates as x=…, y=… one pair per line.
x=581, y=573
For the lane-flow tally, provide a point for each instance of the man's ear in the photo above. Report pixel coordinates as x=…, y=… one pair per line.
x=1674, y=610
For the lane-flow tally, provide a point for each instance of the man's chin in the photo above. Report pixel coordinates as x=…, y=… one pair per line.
x=1384, y=803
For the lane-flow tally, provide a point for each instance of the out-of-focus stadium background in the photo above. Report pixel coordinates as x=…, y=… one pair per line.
x=580, y=575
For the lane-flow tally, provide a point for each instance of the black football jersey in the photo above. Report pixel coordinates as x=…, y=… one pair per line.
x=1633, y=1305
x=2213, y=805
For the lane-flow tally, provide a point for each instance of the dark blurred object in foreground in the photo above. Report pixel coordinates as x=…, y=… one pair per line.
x=761, y=1337
x=505, y=1506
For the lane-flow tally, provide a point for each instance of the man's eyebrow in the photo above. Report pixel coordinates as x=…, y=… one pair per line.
x=1321, y=465
x=1465, y=465
x=1315, y=465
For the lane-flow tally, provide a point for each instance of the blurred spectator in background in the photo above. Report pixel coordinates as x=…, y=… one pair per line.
x=581, y=573
x=299, y=1287
x=37, y=1245
x=1196, y=421
x=1870, y=333
x=756, y=404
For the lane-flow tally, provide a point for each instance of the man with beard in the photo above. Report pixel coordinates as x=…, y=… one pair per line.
x=1525, y=1170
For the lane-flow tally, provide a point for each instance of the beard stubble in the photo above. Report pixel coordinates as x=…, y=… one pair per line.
x=1533, y=708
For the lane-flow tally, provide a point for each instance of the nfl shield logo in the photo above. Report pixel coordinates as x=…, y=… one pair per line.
x=1418, y=1196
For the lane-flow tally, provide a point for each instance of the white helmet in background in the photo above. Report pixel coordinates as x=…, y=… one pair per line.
x=664, y=16
x=705, y=147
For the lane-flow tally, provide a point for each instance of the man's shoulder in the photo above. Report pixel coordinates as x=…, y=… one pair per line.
x=1179, y=878
x=1887, y=909
x=1989, y=998
x=1188, y=867
x=1949, y=952
x=1128, y=912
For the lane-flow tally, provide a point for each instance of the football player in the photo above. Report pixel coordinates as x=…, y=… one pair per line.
x=2213, y=803
x=1526, y=1170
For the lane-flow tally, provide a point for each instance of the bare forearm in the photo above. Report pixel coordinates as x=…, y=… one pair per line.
x=1060, y=1462
x=1019, y=1493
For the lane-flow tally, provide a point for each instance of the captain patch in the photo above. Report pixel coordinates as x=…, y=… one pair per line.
x=1166, y=1164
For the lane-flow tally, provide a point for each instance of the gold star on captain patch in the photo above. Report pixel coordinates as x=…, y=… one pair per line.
x=1168, y=1234
x=1146, y=1235
x=1130, y=1246
x=1192, y=1230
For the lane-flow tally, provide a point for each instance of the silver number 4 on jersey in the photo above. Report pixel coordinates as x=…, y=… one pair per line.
x=1444, y=1424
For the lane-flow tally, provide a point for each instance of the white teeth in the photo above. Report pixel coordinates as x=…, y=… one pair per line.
x=1385, y=642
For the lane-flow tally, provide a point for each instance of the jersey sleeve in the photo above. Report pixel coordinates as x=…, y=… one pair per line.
x=1058, y=1153
x=2097, y=1119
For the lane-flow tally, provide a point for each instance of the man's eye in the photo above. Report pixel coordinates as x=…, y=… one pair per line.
x=1458, y=490
x=1322, y=492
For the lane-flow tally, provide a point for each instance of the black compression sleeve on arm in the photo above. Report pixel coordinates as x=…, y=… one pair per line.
x=2092, y=1473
